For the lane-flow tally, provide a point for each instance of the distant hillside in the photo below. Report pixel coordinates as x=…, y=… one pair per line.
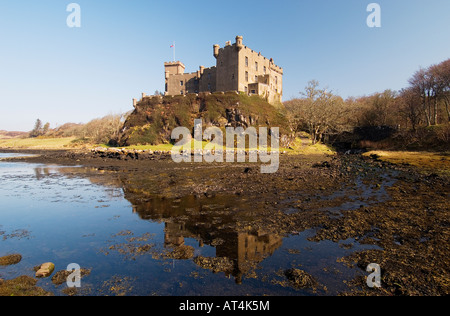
x=154, y=118
x=11, y=134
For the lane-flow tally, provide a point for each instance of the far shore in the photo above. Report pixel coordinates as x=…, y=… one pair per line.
x=37, y=143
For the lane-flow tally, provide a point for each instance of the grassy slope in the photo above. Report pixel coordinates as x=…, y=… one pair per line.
x=154, y=118
x=301, y=146
x=37, y=143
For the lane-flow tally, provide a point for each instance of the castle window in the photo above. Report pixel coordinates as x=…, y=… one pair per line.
x=253, y=91
x=265, y=69
x=246, y=61
x=232, y=77
x=276, y=80
x=256, y=66
x=256, y=79
x=181, y=92
x=181, y=83
x=246, y=76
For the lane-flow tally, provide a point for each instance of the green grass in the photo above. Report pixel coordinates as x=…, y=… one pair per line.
x=300, y=146
x=160, y=147
x=425, y=161
x=37, y=143
x=303, y=146
x=194, y=144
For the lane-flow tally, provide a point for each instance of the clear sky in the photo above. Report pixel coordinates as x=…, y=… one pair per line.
x=60, y=74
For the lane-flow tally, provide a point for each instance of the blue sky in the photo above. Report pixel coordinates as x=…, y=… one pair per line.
x=61, y=74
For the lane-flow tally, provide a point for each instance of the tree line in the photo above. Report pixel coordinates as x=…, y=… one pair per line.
x=424, y=103
x=99, y=130
x=429, y=88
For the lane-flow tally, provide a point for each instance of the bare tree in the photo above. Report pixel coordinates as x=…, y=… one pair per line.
x=441, y=75
x=104, y=129
x=319, y=112
x=433, y=87
x=409, y=103
x=420, y=83
x=46, y=128
x=37, y=130
x=377, y=109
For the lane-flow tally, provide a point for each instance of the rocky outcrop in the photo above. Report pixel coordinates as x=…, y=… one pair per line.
x=154, y=118
x=235, y=118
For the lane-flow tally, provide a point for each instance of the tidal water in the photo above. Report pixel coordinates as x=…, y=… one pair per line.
x=62, y=215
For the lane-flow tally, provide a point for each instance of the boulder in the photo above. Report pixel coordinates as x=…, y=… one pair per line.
x=45, y=270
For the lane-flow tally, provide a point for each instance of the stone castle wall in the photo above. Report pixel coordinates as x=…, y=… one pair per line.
x=238, y=68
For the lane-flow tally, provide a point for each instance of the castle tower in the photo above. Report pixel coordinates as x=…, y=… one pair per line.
x=171, y=69
x=239, y=44
x=174, y=68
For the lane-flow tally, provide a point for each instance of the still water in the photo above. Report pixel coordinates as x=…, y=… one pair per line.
x=161, y=247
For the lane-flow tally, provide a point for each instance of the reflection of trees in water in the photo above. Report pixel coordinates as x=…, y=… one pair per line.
x=103, y=178
x=42, y=172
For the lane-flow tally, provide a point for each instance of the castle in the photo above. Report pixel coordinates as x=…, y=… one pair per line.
x=238, y=68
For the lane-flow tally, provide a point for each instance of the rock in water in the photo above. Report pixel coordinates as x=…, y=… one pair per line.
x=45, y=270
x=61, y=277
x=10, y=259
x=300, y=279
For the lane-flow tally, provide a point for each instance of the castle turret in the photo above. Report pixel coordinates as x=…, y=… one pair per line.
x=239, y=44
x=216, y=50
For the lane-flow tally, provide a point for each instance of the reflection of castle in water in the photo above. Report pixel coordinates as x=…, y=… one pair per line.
x=210, y=224
x=211, y=221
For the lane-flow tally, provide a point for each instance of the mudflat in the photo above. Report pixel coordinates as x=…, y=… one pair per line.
x=401, y=210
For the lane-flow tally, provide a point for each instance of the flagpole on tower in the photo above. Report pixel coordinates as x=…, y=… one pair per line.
x=173, y=46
